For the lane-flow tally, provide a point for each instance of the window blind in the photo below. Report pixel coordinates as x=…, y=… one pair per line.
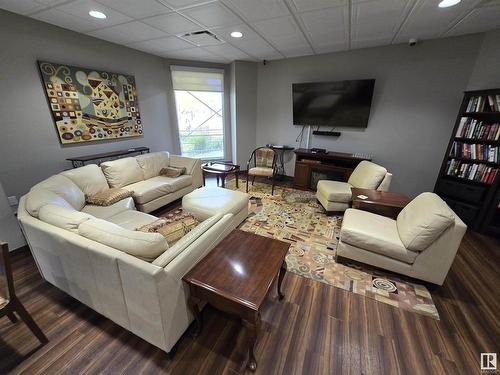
x=189, y=79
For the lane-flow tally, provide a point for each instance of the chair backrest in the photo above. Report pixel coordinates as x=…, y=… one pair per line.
x=264, y=157
x=367, y=175
x=6, y=282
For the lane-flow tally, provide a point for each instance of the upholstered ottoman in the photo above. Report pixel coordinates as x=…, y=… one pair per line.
x=208, y=201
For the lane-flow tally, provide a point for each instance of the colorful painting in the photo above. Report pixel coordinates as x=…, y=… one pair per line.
x=91, y=105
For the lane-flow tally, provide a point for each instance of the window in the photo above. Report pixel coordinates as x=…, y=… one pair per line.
x=199, y=100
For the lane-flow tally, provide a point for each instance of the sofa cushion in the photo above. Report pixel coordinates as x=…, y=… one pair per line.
x=208, y=201
x=156, y=187
x=122, y=172
x=146, y=246
x=89, y=179
x=104, y=212
x=185, y=241
x=260, y=171
x=374, y=233
x=367, y=175
x=108, y=197
x=423, y=220
x=132, y=219
x=151, y=164
x=335, y=191
x=62, y=217
x=65, y=188
x=37, y=198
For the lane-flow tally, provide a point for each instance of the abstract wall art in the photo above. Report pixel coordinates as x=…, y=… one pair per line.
x=91, y=105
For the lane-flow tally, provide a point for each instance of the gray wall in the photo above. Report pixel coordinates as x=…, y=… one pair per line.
x=29, y=142
x=243, y=110
x=417, y=94
x=30, y=150
x=486, y=73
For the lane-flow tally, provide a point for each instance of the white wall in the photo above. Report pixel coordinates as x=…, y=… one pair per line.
x=417, y=94
x=10, y=231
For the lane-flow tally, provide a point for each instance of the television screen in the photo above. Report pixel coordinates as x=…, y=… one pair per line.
x=337, y=104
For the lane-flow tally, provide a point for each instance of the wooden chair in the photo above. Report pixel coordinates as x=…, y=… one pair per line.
x=264, y=161
x=9, y=303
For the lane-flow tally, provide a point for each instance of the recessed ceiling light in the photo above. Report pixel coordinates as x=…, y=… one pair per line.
x=97, y=14
x=448, y=3
x=237, y=34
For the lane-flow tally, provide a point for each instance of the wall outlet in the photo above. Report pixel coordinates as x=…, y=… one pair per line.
x=13, y=200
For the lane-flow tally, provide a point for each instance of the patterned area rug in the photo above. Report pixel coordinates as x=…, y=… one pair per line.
x=294, y=216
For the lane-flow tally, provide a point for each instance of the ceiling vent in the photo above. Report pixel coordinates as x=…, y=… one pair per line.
x=202, y=38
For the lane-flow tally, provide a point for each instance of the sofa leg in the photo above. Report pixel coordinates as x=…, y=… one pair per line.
x=170, y=355
x=247, y=182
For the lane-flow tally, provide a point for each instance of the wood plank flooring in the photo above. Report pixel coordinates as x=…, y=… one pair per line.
x=316, y=329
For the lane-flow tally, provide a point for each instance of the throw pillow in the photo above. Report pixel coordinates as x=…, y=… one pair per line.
x=172, y=171
x=172, y=229
x=108, y=197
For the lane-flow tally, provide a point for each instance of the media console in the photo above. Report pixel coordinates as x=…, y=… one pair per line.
x=310, y=167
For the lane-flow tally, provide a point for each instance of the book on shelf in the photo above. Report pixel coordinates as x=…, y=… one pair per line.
x=475, y=129
x=484, y=103
x=475, y=151
x=471, y=171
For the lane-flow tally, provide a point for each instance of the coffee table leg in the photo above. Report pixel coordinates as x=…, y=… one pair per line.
x=193, y=305
x=204, y=183
x=223, y=177
x=237, y=175
x=252, y=328
x=281, y=275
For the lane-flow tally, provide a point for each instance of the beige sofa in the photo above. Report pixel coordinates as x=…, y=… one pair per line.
x=422, y=242
x=95, y=254
x=336, y=195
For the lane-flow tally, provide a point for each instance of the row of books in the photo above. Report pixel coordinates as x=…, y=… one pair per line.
x=486, y=103
x=472, y=128
x=471, y=171
x=475, y=151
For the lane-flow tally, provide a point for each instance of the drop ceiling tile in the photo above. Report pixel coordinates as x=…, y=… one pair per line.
x=135, y=8
x=367, y=43
x=327, y=26
x=328, y=48
x=162, y=45
x=21, y=6
x=179, y=4
x=303, y=5
x=67, y=21
x=377, y=20
x=228, y=52
x=224, y=33
x=296, y=52
x=172, y=23
x=257, y=10
x=127, y=33
x=212, y=15
x=282, y=32
x=81, y=9
x=427, y=20
x=478, y=20
x=195, y=54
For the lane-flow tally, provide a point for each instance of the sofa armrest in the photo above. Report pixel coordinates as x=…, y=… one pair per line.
x=181, y=265
x=184, y=162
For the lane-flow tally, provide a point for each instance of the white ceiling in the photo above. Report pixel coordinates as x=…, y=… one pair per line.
x=272, y=29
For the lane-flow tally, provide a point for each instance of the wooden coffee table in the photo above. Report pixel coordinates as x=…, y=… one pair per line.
x=236, y=277
x=383, y=203
x=220, y=169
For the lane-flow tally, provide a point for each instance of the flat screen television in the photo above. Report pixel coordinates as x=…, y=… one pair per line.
x=336, y=104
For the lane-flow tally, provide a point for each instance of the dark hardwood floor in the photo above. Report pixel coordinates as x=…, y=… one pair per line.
x=316, y=329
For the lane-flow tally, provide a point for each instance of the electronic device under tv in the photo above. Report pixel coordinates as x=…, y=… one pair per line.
x=336, y=104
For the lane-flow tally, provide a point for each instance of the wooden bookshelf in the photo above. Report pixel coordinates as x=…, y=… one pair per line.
x=472, y=190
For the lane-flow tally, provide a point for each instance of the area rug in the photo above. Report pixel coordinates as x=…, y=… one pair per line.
x=295, y=216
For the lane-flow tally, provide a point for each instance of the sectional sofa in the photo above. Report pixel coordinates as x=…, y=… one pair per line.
x=94, y=253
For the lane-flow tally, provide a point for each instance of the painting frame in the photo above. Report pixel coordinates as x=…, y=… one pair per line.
x=90, y=105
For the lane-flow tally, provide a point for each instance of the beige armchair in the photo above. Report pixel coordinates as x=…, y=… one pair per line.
x=421, y=243
x=336, y=195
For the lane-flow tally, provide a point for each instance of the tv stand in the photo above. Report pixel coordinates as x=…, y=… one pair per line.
x=313, y=166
